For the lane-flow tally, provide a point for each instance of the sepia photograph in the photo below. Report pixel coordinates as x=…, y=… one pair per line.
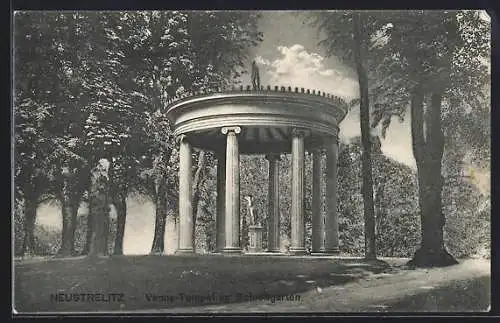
x=251, y=161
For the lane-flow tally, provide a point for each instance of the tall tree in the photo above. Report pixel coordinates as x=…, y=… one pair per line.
x=40, y=96
x=66, y=61
x=432, y=59
x=110, y=109
x=349, y=36
x=360, y=46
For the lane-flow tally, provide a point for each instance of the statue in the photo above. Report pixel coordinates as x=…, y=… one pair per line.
x=253, y=218
x=255, y=229
x=255, y=76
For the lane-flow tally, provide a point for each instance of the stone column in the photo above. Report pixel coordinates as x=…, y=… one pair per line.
x=318, y=228
x=297, y=212
x=331, y=220
x=185, y=197
x=273, y=228
x=221, y=214
x=232, y=191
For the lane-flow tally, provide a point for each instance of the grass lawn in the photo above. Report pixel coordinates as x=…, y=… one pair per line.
x=459, y=296
x=155, y=282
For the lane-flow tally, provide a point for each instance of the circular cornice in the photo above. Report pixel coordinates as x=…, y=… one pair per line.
x=315, y=111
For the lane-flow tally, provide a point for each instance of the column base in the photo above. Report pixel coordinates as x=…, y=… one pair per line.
x=231, y=250
x=333, y=251
x=324, y=254
x=273, y=251
x=320, y=252
x=219, y=248
x=297, y=251
x=186, y=251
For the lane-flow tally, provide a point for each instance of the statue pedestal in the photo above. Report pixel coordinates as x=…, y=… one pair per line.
x=255, y=235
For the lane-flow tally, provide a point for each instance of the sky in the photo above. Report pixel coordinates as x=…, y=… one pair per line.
x=288, y=56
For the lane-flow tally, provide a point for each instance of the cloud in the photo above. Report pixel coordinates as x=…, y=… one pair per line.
x=262, y=61
x=297, y=67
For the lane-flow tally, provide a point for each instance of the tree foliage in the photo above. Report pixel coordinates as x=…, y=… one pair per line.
x=92, y=85
x=437, y=62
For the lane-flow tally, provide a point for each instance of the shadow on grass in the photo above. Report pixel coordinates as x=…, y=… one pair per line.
x=153, y=282
x=471, y=295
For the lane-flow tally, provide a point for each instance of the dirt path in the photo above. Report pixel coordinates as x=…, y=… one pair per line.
x=370, y=292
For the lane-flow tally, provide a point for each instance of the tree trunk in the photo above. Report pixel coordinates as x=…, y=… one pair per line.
x=120, y=204
x=67, y=215
x=70, y=197
x=90, y=227
x=99, y=211
x=158, y=246
x=74, y=216
x=428, y=150
x=67, y=228
x=380, y=209
x=197, y=183
x=366, y=159
x=29, y=227
x=119, y=198
x=90, y=220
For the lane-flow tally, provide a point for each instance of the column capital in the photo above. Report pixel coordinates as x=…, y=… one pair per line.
x=299, y=132
x=227, y=130
x=273, y=156
x=180, y=138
